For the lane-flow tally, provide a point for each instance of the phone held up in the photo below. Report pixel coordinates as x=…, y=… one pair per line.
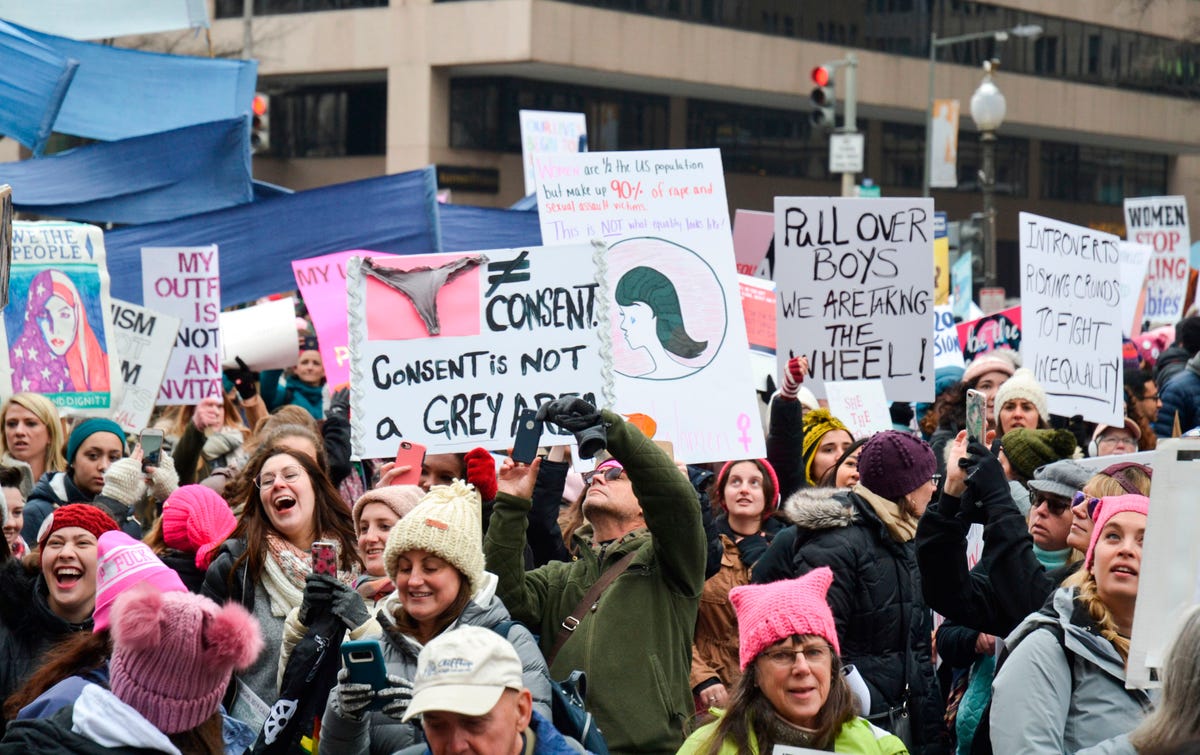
x=976, y=415
x=411, y=455
x=324, y=558
x=151, y=441
x=529, y=436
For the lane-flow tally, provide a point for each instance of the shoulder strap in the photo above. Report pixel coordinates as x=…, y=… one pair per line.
x=590, y=599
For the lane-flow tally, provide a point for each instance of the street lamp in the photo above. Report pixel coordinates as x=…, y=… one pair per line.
x=1025, y=31
x=987, y=108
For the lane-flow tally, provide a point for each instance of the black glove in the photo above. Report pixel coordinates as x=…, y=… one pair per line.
x=339, y=404
x=244, y=379
x=581, y=419
x=986, y=483
x=751, y=548
x=318, y=597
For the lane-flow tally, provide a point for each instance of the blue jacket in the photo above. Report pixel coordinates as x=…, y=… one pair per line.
x=549, y=741
x=308, y=397
x=1181, y=394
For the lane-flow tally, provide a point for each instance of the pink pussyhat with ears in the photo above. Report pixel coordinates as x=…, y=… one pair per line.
x=1110, y=506
x=772, y=612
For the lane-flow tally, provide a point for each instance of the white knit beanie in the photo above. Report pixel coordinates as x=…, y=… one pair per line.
x=447, y=523
x=1023, y=385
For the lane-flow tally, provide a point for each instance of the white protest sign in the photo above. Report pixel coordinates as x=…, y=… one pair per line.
x=144, y=339
x=264, y=336
x=515, y=328
x=186, y=282
x=1135, y=260
x=1162, y=222
x=547, y=132
x=677, y=327
x=1071, y=317
x=855, y=294
x=1169, y=582
x=861, y=404
x=947, y=352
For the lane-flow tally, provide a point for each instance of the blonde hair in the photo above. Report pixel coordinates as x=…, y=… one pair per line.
x=47, y=414
x=1176, y=718
x=1100, y=614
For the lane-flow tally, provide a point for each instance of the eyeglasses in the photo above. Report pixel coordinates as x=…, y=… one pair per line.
x=936, y=480
x=814, y=655
x=1116, y=440
x=611, y=474
x=1155, y=398
x=1056, y=506
x=1092, y=503
x=289, y=475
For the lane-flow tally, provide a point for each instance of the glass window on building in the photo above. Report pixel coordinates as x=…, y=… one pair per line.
x=903, y=155
x=761, y=141
x=1098, y=175
x=329, y=121
x=234, y=8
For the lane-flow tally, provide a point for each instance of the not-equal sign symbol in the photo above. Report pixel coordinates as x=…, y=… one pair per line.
x=507, y=271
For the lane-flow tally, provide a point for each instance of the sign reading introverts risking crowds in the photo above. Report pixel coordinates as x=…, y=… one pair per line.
x=548, y=132
x=1071, y=311
x=677, y=330
x=186, y=282
x=58, y=324
x=144, y=339
x=447, y=350
x=855, y=280
x=1162, y=222
x=1135, y=262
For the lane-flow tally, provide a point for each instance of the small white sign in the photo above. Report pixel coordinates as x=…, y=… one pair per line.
x=861, y=405
x=846, y=153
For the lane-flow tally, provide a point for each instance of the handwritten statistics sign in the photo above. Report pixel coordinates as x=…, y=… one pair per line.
x=855, y=294
x=186, y=282
x=1162, y=222
x=1071, y=313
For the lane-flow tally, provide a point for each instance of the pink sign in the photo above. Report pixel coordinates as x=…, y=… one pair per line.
x=752, y=234
x=1001, y=330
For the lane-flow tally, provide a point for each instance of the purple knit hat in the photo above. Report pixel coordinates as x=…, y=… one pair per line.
x=893, y=464
x=173, y=654
x=769, y=613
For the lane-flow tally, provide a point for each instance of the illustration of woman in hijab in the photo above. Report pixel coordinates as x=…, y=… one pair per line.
x=58, y=351
x=652, y=320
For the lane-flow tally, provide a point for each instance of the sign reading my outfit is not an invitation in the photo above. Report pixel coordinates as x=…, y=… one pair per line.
x=57, y=337
x=1071, y=312
x=186, y=282
x=855, y=292
x=446, y=350
x=677, y=329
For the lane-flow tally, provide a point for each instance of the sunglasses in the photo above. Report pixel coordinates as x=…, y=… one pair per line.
x=1092, y=503
x=610, y=474
x=1056, y=506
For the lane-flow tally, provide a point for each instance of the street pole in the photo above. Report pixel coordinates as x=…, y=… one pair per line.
x=247, y=30
x=933, y=46
x=988, y=180
x=850, y=123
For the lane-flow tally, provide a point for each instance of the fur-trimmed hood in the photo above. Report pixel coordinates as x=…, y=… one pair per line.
x=819, y=509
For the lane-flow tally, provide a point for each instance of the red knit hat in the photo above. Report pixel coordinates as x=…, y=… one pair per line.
x=83, y=515
x=1110, y=506
x=195, y=519
x=769, y=506
x=775, y=611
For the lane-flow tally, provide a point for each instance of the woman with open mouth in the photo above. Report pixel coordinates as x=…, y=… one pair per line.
x=32, y=440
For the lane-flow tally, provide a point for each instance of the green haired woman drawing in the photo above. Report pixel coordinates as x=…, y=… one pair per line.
x=652, y=320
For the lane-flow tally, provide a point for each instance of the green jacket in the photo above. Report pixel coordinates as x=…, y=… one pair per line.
x=636, y=647
x=857, y=736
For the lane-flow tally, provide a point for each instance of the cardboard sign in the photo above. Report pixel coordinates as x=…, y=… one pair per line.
x=144, y=339
x=947, y=351
x=544, y=133
x=1001, y=330
x=1135, y=262
x=58, y=324
x=861, y=404
x=855, y=280
x=263, y=336
x=503, y=331
x=677, y=330
x=1162, y=222
x=1071, y=304
x=752, y=234
x=186, y=282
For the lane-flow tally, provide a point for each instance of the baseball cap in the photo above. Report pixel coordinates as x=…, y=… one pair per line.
x=464, y=671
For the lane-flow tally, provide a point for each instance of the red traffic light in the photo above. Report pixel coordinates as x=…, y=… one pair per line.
x=260, y=104
x=820, y=76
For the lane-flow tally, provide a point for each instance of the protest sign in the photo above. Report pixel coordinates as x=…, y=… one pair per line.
x=1071, y=297
x=186, y=282
x=855, y=279
x=1169, y=579
x=962, y=286
x=1162, y=222
x=58, y=323
x=1001, y=330
x=861, y=404
x=264, y=336
x=678, y=334
x=941, y=260
x=758, y=308
x=322, y=284
x=144, y=339
x=752, y=234
x=1135, y=261
x=947, y=351
x=452, y=361
x=545, y=132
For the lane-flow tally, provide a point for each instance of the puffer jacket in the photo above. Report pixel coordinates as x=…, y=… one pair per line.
x=636, y=645
x=1061, y=687
x=856, y=736
x=1181, y=395
x=875, y=598
x=379, y=734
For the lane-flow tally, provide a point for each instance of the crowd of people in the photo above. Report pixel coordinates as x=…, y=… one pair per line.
x=255, y=589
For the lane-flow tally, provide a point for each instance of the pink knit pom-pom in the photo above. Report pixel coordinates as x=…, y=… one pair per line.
x=234, y=637
x=136, y=617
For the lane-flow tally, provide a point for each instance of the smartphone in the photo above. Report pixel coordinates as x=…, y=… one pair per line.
x=151, y=441
x=364, y=661
x=529, y=435
x=324, y=558
x=976, y=414
x=412, y=455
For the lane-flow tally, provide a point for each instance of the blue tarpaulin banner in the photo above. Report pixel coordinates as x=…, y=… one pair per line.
x=33, y=82
x=466, y=228
x=101, y=19
x=145, y=179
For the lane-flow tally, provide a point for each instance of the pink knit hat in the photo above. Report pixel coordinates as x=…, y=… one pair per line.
x=772, y=612
x=122, y=563
x=401, y=499
x=993, y=361
x=195, y=519
x=1110, y=506
x=173, y=654
x=772, y=478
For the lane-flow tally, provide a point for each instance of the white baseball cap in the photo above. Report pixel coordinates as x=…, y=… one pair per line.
x=464, y=671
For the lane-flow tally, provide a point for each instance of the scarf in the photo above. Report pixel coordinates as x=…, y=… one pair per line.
x=284, y=572
x=784, y=733
x=901, y=525
x=1052, y=559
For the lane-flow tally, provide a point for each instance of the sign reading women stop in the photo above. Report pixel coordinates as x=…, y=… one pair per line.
x=1162, y=223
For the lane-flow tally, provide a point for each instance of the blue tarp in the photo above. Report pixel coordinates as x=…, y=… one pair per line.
x=258, y=241
x=119, y=93
x=466, y=228
x=33, y=82
x=101, y=19
x=141, y=180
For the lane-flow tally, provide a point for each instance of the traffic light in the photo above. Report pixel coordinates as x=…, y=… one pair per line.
x=823, y=98
x=260, y=125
